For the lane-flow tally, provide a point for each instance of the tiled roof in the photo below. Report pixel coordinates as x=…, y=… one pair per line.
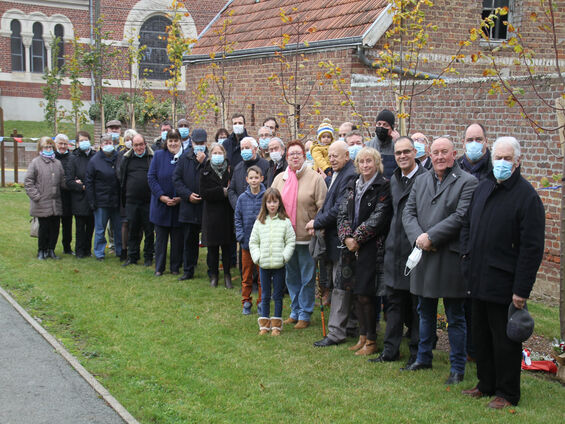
x=258, y=23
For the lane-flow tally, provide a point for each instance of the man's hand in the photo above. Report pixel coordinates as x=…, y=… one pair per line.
x=423, y=242
x=195, y=198
x=200, y=156
x=310, y=227
x=519, y=302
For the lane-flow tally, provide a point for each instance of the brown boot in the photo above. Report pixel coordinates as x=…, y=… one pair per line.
x=369, y=348
x=301, y=324
x=360, y=343
x=276, y=326
x=290, y=320
x=227, y=280
x=264, y=325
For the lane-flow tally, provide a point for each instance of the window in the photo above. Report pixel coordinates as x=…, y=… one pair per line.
x=155, y=60
x=38, y=52
x=17, y=47
x=60, y=32
x=499, y=30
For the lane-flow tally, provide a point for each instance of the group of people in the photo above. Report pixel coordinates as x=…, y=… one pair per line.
x=396, y=222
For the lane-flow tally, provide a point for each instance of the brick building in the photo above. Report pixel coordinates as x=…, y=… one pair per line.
x=27, y=28
x=350, y=33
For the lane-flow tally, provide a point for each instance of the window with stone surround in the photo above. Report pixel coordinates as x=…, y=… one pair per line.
x=499, y=30
x=60, y=32
x=17, y=47
x=38, y=52
x=155, y=60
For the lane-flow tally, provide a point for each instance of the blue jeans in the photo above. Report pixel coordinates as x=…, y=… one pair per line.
x=277, y=277
x=456, y=331
x=300, y=282
x=101, y=217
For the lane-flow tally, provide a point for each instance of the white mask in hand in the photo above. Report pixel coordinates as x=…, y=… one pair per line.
x=413, y=260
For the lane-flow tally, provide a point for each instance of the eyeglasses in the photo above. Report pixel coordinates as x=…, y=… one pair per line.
x=296, y=154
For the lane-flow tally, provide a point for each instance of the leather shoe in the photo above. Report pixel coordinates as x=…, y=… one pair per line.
x=301, y=324
x=158, y=274
x=148, y=262
x=51, y=254
x=498, y=403
x=42, y=255
x=129, y=262
x=454, y=378
x=186, y=276
x=385, y=358
x=411, y=360
x=290, y=320
x=213, y=281
x=474, y=393
x=417, y=366
x=227, y=281
x=325, y=342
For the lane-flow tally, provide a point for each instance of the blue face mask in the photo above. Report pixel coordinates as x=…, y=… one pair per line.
x=221, y=140
x=84, y=145
x=217, y=159
x=264, y=143
x=420, y=149
x=199, y=148
x=353, y=150
x=474, y=150
x=47, y=153
x=115, y=137
x=164, y=135
x=108, y=148
x=184, y=132
x=502, y=169
x=309, y=156
x=246, y=154
x=141, y=155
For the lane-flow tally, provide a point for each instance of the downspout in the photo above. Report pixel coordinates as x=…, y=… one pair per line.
x=396, y=70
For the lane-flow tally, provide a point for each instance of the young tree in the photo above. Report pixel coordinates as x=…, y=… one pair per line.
x=52, y=89
x=74, y=72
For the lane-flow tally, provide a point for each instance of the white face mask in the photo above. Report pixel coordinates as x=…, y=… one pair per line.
x=128, y=144
x=276, y=156
x=238, y=129
x=413, y=260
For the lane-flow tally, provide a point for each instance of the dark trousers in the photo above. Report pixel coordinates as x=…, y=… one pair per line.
x=84, y=228
x=366, y=310
x=213, y=258
x=67, y=225
x=162, y=235
x=139, y=226
x=469, y=320
x=48, y=233
x=498, y=358
x=191, y=234
x=399, y=304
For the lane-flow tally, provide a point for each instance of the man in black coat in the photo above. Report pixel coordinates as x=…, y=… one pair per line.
x=343, y=173
x=277, y=162
x=136, y=198
x=160, y=141
x=401, y=303
x=383, y=140
x=502, y=243
x=186, y=179
x=232, y=144
x=62, y=154
x=249, y=154
x=476, y=160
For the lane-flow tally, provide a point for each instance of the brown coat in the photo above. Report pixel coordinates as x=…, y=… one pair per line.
x=43, y=181
x=311, y=195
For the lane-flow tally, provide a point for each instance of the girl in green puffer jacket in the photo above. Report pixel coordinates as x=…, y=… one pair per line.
x=271, y=245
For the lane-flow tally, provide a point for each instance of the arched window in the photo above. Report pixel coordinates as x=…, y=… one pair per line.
x=38, y=51
x=60, y=32
x=155, y=60
x=17, y=47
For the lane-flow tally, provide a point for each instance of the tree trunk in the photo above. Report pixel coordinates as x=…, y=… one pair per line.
x=102, y=119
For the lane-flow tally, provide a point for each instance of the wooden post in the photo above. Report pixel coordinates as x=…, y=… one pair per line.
x=14, y=135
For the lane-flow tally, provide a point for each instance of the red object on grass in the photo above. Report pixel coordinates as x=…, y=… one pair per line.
x=547, y=366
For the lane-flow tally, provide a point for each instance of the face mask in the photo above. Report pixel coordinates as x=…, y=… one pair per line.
x=382, y=133
x=221, y=140
x=413, y=260
x=353, y=150
x=276, y=156
x=84, y=145
x=199, y=148
x=420, y=149
x=128, y=144
x=115, y=137
x=474, y=150
x=141, y=155
x=65, y=153
x=217, y=159
x=238, y=129
x=47, y=153
x=341, y=139
x=309, y=156
x=108, y=148
x=502, y=169
x=264, y=143
x=164, y=135
x=246, y=154
x=184, y=132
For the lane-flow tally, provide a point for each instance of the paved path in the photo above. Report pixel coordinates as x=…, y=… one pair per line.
x=38, y=385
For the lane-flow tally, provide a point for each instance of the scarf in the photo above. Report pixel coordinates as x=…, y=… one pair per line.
x=220, y=169
x=474, y=168
x=360, y=189
x=176, y=156
x=290, y=195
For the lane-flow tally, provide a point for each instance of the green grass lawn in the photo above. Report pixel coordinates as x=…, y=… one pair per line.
x=36, y=129
x=175, y=352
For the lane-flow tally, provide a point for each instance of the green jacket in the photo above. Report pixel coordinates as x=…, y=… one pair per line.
x=272, y=244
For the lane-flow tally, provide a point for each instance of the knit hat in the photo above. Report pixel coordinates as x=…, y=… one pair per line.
x=520, y=324
x=387, y=116
x=325, y=127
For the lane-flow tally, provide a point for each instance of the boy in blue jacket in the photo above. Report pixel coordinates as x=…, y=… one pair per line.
x=246, y=210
